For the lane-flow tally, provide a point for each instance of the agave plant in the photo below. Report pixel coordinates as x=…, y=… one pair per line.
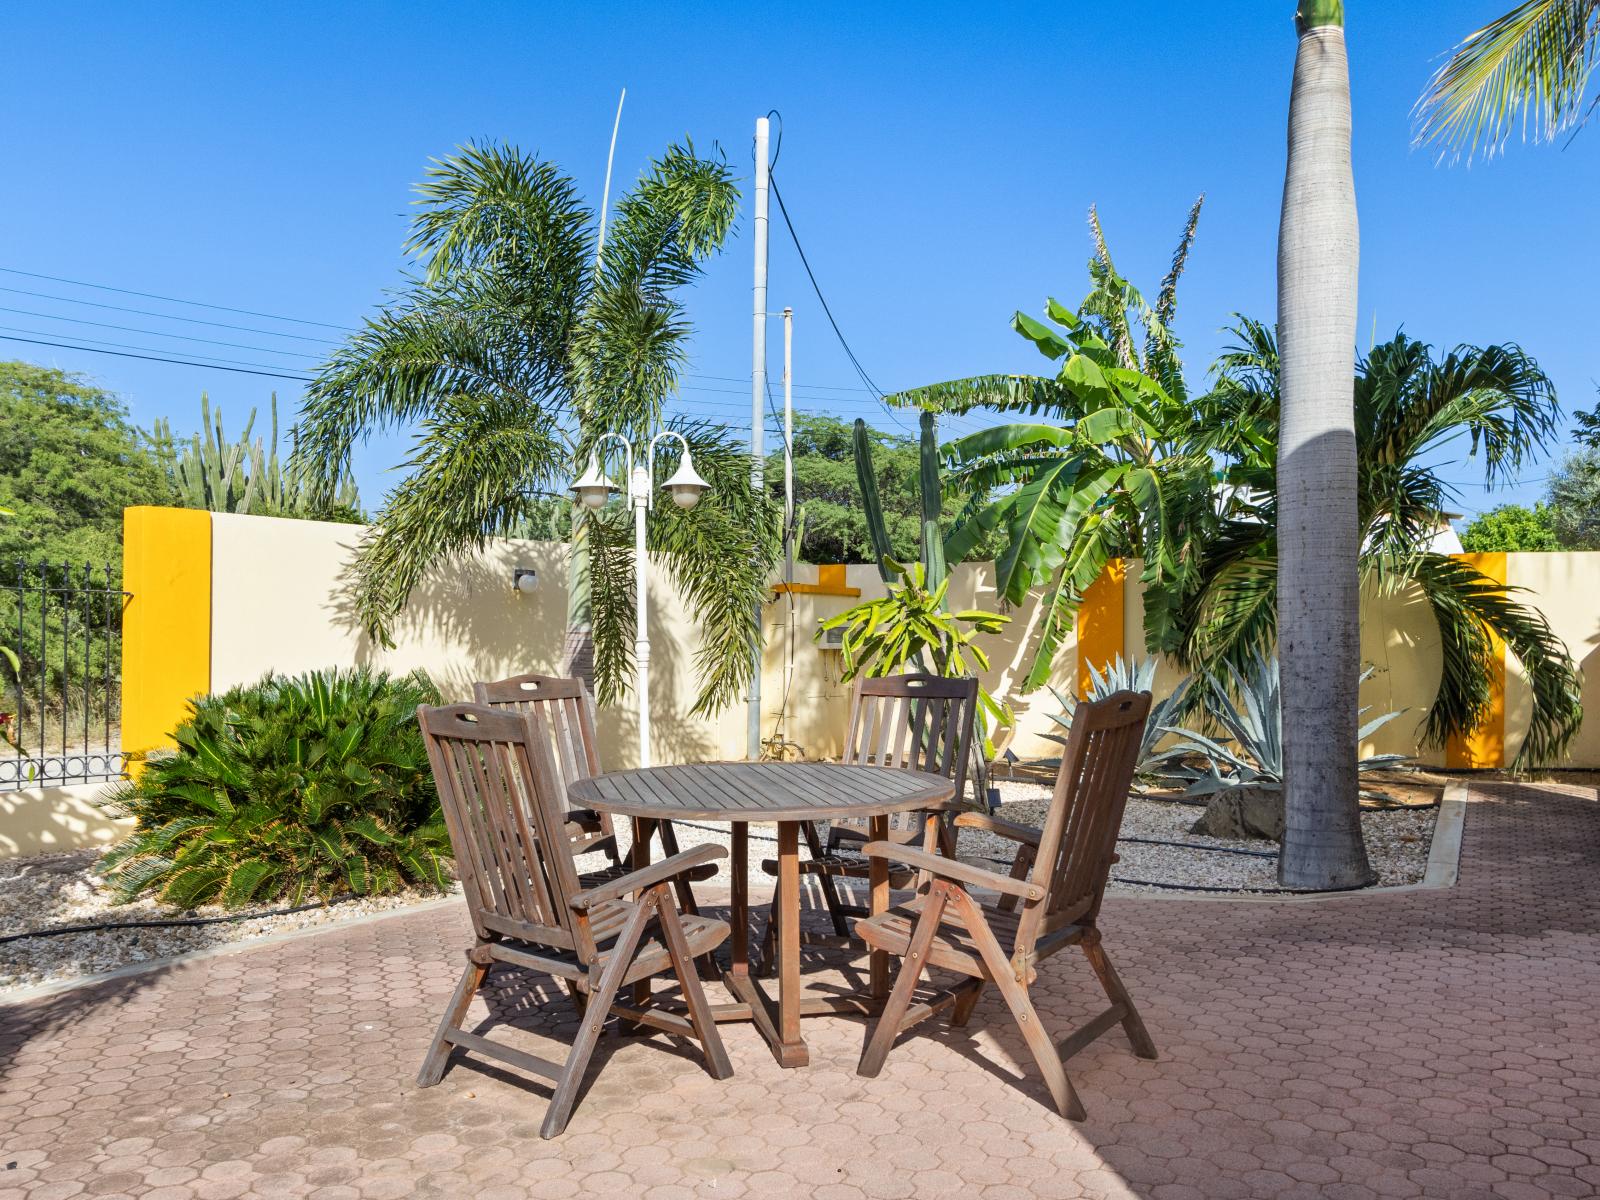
x=1251, y=713
x=286, y=789
x=1123, y=675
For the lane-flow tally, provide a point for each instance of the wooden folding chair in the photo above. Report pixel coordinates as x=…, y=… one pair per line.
x=568, y=712
x=1059, y=876
x=916, y=722
x=497, y=786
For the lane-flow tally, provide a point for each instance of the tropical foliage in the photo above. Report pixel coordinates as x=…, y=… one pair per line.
x=1511, y=527
x=1408, y=403
x=828, y=493
x=1123, y=468
x=1535, y=62
x=1574, y=500
x=913, y=628
x=289, y=789
x=1248, y=706
x=246, y=476
x=528, y=332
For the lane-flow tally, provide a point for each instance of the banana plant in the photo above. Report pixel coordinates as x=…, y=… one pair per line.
x=1122, y=467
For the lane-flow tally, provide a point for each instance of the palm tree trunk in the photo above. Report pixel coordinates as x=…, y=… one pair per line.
x=577, y=655
x=1318, y=524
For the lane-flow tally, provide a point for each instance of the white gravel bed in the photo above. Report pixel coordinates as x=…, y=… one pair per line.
x=1398, y=843
x=51, y=890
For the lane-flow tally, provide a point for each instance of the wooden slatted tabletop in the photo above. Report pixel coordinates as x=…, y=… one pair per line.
x=760, y=792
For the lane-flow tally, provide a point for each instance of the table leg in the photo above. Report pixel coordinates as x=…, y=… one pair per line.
x=638, y=857
x=739, y=905
x=878, y=882
x=792, y=1049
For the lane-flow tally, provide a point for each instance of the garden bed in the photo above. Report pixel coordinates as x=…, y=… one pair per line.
x=54, y=890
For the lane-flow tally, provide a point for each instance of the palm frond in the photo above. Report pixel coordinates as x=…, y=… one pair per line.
x=1535, y=62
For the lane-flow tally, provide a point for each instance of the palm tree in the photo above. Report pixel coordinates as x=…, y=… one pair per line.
x=1535, y=61
x=1319, y=641
x=1408, y=404
x=515, y=347
x=1122, y=469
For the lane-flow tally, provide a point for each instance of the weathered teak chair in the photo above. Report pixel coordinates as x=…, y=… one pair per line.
x=1059, y=876
x=916, y=722
x=497, y=786
x=568, y=712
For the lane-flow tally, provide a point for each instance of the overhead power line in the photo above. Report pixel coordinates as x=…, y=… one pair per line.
x=155, y=358
x=145, y=312
x=244, y=312
x=182, y=337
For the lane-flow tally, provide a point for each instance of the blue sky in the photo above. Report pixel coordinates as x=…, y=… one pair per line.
x=938, y=161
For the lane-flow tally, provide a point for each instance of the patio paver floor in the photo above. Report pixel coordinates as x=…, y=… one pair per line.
x=1435, y=1043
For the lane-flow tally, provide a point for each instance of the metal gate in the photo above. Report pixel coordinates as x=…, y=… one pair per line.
x=60, y=706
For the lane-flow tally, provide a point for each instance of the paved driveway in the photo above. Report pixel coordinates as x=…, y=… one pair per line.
x=1426, y=1044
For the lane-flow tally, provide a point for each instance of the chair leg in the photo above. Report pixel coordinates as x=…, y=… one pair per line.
x=1117, y=993
x=1016, y=998
x=894, y=1009
x=705, y=1027
x=961, y=1013
x=595, y=1013
x=830, y=896
x=439, y=1053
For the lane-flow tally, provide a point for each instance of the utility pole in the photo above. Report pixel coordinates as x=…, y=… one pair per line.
x=788, y=512
x=758, y=388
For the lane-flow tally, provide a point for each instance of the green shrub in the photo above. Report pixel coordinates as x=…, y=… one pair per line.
x=288, y=789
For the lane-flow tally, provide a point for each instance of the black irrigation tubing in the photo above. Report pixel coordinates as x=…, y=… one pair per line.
x=173, y=922
x=1201, y=846
x=1196, y=887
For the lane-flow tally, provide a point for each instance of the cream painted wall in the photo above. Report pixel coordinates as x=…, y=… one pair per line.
x=49, y=820
x=1566, y=589
x=278, y=602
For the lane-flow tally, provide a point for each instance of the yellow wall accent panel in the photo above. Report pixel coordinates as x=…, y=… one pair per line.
x=1485, y=746
x=1100, y=622
x=166, y=629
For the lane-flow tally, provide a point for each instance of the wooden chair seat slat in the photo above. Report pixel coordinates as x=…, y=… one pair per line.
x=944, y=927
x=510, y=826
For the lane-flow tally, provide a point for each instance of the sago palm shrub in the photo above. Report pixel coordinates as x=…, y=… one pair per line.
x=286, y=790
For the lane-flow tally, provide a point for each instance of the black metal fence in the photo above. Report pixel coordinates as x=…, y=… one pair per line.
x=60, y=707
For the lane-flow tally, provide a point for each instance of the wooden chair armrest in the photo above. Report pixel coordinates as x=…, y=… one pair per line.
x=1006, y=829
x=657, y=872
x=949, y=868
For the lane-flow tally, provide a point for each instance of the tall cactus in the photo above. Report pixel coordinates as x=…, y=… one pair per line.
x=932, y=497
x=243, y=476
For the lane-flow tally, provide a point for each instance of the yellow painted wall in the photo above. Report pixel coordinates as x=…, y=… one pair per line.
x=166, y=628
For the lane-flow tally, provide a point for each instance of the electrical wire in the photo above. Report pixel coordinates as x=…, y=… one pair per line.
x=244, y=312
x=182, y=337
x=154, y=358
x=160, y=316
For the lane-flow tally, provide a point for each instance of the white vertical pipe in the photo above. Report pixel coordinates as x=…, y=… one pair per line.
x=788, y=504
x=758, y=387
x=639, y=497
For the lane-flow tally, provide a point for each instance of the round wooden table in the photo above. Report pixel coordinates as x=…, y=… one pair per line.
x=787, y=794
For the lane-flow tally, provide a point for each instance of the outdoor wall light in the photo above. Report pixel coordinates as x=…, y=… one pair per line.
x=525, y=580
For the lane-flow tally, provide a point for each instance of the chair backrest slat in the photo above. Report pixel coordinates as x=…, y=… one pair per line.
x=568, y=715
x=1079, y=838
x=912, y=722
x=497, y=786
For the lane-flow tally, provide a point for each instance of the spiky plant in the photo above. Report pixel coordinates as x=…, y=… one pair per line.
x=1124, y=675
x=284, y=790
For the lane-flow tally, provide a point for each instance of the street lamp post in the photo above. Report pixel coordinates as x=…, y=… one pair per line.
x=685, y=487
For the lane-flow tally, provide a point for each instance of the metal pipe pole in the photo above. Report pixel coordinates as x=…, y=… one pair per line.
x=758, y=388
x=788, y=507
x=639, y=497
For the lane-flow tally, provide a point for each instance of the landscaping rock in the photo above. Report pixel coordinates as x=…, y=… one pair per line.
x=1250, y=811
